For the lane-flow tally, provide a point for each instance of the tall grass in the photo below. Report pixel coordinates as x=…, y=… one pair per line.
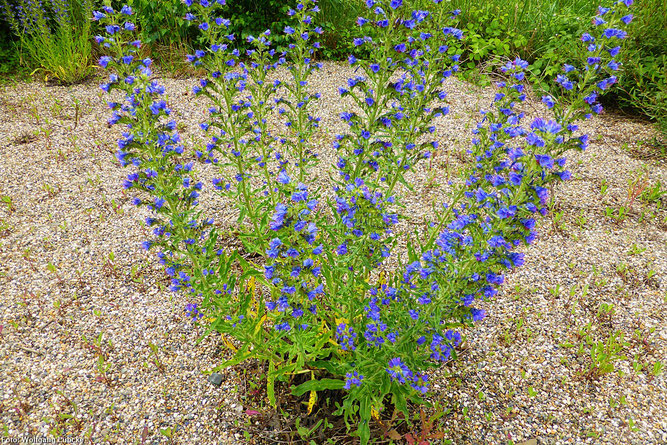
x=56, y=36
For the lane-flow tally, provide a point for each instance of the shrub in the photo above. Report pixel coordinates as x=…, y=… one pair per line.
x=163, y=22
x=8, y=54
x=644, y=84
x=320, y=302
x=55, y=36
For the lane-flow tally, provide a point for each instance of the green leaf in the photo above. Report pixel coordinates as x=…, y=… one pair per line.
x=364, y=428
x=400, y=403
x=270, y=384
x=317, y=385
x=327, y=365
x=241, y=355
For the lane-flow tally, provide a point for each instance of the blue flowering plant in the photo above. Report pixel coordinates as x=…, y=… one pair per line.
x=162, y=178
x=297, y=105
x=318, y=301
x=56, y=35
x=582, y=85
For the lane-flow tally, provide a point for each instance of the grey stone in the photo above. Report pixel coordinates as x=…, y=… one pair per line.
x=215, y=378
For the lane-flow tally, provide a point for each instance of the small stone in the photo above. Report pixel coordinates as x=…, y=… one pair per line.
x=529, y=442
x=215, y=378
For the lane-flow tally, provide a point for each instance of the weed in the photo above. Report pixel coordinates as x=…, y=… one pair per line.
x=653, y=194
x=50, y=190
x=636, y=250
x=602, y=354
x=168, y=433
x=7, y=200
x=103, y=368
x=619, y=215
x=637, y=186
x=72, y=417
x=658, y=368
x=155, y=358
x=604, y=187
x=582, y=220
x=54, y=270
x=556, y=220
x=110, y=266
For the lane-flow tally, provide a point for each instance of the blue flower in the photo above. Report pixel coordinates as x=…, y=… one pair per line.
x=545, y=161
x=283, y=178
x=398, y=370
x=104, y=61
x=477, y=314
x=419, y=382
x=614, y=51
x=353, y=378
x=283, y=327
x=192, y=311
x=586, y=37
x=564, y=82
x=548, y=101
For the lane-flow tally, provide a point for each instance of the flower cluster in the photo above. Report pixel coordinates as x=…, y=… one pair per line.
x=399, y=96
x=297, y=105
x=41, y=18
x=365, y=216
x=151, y=145
x=293, y=267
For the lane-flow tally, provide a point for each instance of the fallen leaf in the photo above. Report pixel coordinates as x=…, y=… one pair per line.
x=394, y=435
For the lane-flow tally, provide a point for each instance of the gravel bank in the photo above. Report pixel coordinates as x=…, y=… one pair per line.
x=81, y=303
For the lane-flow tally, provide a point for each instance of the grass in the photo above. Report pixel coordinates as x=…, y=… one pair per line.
x=537, y=20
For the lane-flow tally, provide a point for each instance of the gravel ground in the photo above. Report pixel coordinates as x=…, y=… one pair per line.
x=93, y=345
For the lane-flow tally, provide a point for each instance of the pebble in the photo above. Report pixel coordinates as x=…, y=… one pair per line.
x=215, y=378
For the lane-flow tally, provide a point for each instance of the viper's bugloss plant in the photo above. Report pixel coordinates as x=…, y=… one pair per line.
x=319, y=301
x=55, y=34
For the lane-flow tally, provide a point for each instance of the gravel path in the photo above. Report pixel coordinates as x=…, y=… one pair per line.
x=93, y=345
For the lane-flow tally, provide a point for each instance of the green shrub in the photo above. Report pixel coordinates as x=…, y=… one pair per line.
x=644, y=86
x=9, y=56
x=338, y=19
x=163, y=22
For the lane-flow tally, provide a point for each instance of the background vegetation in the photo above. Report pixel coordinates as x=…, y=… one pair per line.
x=541, y=32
